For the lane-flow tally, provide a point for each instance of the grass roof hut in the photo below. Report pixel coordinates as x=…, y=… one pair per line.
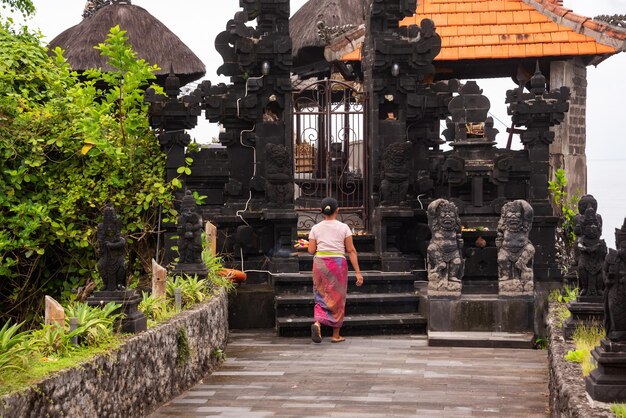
x=314, y=24
x=150, y=38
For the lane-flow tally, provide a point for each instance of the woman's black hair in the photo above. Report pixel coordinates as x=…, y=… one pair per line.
x=329, y=206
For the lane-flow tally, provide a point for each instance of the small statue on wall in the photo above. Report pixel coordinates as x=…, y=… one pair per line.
x=189, y=231
x=444, y=257
x=279, y=187
x=395, y=174
x=615, y=289
x=112, y=252
x=515, y=251
x=591, y=254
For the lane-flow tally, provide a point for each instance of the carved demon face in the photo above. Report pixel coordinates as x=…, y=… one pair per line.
x=513, y=220
x=447, y=218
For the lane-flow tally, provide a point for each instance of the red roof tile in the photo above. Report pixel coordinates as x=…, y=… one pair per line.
x=485, y=29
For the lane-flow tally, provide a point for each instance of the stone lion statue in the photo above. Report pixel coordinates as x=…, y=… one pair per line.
x=444, y=258
x=515, y=251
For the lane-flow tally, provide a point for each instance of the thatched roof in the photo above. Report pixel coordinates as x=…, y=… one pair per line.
x=150, y=38
x=303, y=24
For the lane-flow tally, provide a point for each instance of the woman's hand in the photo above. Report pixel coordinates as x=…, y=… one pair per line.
x=359, y=279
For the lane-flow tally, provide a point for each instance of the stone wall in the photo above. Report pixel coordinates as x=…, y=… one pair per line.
x=568, y=397
x=136, y=378
x=568, y=150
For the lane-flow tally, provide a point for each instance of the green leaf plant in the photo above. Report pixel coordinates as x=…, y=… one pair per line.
x=566, y=209
x=69, y=145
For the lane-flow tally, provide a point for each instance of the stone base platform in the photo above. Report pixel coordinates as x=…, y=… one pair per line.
x=607, y=383
x=481, y=339
x=481, y=313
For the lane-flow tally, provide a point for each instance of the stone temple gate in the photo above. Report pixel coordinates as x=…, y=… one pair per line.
x=375, y=143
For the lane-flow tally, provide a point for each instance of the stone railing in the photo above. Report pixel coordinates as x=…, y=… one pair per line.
x=568, y=397
x=131, y=381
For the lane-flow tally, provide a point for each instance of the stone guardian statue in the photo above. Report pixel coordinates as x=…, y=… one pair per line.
x=591, y=254
x=515, y=251
x=444, y=258
x=189, y=231
x=615, y=289
x=111, y=252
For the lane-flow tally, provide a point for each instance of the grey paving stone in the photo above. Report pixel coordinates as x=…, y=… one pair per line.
x=381, y=376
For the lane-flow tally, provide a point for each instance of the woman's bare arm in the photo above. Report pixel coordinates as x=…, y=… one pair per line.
x=354, y=260
x=312, y=246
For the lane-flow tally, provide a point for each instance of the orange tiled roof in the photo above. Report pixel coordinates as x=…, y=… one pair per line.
x=487, y=29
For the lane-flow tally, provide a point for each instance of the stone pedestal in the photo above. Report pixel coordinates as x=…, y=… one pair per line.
x=284, y=224
x=481, y=313
x=134, y=321
x=585, y=310
x=607, y=383
x=389, y=224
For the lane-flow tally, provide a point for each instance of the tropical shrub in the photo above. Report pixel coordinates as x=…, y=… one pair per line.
x=193, y=289
x=13, y=348
x=68, y=146
x=95, y=324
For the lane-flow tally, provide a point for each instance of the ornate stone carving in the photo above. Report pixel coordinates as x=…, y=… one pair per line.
x=112, y=252
x=515, y=251
x=444, y=257
x=615, y=289
x=395, y=174
x=591, y=253
x=189, y=232
x=279, y=175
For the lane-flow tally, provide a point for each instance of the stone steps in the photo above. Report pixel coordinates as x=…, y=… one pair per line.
x=387, y=303
x=372, y=324
x=356, y=303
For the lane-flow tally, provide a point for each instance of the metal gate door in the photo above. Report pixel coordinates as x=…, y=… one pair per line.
x=330, y=151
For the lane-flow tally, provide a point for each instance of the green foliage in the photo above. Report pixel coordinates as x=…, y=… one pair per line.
x=13, y=350
x=52, y=340
x=193, y=290
x=566, y=295
x=69, y=146
x=219, y=354
x=11, y=381
x=561, y=297
x=576, y=356
x=183, y=349
x=541, y=343
x=95, y=324
x=26, y=7
x=156, y=309
x=619, y=409
x=586, y=338
x=566, y=208
x=214, y=264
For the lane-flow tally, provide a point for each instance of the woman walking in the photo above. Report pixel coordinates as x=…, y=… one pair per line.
x=330, y=240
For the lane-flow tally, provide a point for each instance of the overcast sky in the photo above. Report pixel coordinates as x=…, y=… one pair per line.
x=197, y=23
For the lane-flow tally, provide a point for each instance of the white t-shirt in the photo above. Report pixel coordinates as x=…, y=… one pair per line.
x=330, y=236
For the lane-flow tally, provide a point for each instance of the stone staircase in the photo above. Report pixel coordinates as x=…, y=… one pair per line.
x=387, y=303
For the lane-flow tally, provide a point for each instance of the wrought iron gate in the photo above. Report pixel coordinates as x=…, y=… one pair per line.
x=330, y=151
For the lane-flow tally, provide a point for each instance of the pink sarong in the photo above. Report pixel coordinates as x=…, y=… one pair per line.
x=330, y=284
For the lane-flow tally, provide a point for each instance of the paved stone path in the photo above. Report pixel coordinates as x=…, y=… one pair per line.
x=382, y=376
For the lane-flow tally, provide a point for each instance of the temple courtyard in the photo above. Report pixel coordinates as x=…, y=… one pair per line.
x=374, y=376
